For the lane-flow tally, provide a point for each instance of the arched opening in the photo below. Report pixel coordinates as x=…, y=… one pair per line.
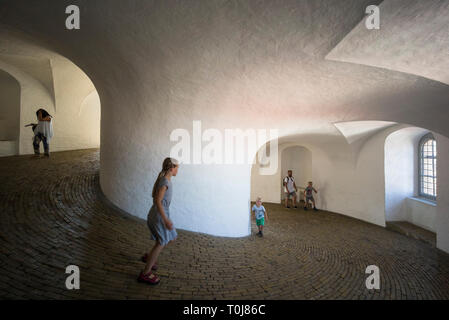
x=270, y=187
x=9, y=114
x=299, y=161
x=407, y=176
x=47, y=80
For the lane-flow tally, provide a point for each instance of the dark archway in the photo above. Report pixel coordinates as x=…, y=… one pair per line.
x=9, y=114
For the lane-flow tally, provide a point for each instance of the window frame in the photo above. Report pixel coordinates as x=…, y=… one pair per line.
x=422, y=142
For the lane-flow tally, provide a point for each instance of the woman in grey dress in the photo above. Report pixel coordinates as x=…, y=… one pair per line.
x=159, y=223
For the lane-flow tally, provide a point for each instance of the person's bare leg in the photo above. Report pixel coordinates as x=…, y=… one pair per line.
x=294, y=201
x=148, y=255
x=152, y=257
x=286, y=201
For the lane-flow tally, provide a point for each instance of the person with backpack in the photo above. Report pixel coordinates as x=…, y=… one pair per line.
x=290, y=189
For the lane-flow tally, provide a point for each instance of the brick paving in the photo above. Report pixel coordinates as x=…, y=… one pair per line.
x=413, y=231
x=53, y=215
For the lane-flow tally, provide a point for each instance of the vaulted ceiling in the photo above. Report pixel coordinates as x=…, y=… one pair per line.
x=297, y=65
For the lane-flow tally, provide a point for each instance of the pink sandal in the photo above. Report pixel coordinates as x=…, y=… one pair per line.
x=148, y=279
x=144, y=259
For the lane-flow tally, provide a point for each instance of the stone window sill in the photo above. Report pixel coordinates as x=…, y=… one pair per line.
x=424, y=200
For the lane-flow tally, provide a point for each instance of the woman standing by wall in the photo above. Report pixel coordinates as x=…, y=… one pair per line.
x=43, y=132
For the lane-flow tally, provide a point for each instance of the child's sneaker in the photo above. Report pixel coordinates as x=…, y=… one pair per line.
x=305, y=208
x=315, y=209
x=148, y=279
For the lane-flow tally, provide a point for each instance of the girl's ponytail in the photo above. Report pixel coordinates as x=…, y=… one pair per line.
x=166, y=165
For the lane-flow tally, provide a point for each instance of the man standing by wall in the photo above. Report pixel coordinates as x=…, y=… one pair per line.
x=290, y=188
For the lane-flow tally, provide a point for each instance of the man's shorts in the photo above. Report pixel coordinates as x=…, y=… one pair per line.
x=291, y=194
x=260, y=222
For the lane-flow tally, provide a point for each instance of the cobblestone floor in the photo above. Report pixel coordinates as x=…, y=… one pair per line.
x=52, y=216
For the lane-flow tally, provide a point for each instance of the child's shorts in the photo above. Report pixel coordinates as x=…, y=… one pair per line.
x=260, y=222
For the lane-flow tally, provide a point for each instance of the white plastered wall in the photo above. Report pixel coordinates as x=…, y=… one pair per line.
x=442, y=220
x=77, y=118
x=9, y=114
x=400, y=165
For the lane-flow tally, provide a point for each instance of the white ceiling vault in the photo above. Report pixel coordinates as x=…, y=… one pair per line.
x=356, y=130
x=283, y=62
x=38, y=68
x=413, y=38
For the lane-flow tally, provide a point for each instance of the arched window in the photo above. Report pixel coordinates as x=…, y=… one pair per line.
x=428, y=167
